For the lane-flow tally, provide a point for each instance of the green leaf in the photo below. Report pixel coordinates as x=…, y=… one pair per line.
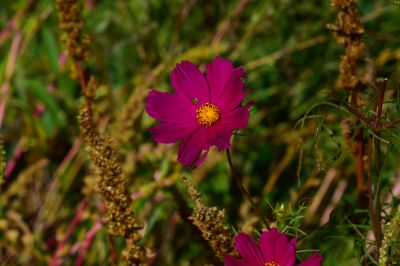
x=53, y=117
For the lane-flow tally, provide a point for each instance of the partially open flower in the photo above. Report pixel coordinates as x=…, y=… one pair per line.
x=204, y=111
x=273, y=249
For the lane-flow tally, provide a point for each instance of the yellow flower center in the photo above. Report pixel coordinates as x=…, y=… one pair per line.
x=272, y=263
x=208, y=114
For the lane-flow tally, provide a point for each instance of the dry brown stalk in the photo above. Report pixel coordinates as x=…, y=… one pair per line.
x=348, y=31
x=71, y=23
x=22, y=185
x=111, y=185
x=111, y=182
x=391, y=238
x=211, y=223
x=22, y=201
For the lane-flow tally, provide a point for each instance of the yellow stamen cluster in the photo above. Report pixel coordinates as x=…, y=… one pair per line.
x=208, y=114
x=271, y=264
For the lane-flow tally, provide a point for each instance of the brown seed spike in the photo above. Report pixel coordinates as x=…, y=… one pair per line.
x=211, y=223
x=111, y=185
x=348, y=31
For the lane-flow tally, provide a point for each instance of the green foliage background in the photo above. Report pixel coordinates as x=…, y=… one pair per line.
x=292, y=63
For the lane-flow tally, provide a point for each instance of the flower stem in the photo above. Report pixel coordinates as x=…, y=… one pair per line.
x=374, y=208
x=244, y=190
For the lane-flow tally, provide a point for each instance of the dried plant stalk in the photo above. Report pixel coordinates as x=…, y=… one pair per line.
x=211, y=223
x=22, y=185
x=21, y=203
x=390, y=238
x=111, y=185
x=348, y=31
x=110, y=180
x=71, y=23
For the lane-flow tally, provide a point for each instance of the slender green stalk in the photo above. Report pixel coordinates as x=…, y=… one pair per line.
x=374, y=210
x=244, y=190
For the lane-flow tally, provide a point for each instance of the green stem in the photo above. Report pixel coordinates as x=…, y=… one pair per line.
x=244, y=190
x=374, y=212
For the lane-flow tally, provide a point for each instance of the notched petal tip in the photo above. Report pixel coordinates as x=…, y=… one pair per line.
x=240, y=72
x=218, y=60
x=293, y=242
x=248, y=249
x=188, y=81
x=192, y=146
x=231, y=94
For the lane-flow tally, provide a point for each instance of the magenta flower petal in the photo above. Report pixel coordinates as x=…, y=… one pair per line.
x=187, y=80
x=277, y=248
x=202, y=158
x=231, y=261
x=171, y=132
x=293, y=242
x=218, y=73
x=274, y=248
x=250, y=252
x=268, y=243
x=221, y=133
x=285, y=254
x=192, y=146
x=232, y=94
x=220, y=136
x=314, y=260
x=236, y=118
x=168, y=107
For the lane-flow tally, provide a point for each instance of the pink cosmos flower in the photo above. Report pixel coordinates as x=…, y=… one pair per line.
x=274, y=249
x=203, y=112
